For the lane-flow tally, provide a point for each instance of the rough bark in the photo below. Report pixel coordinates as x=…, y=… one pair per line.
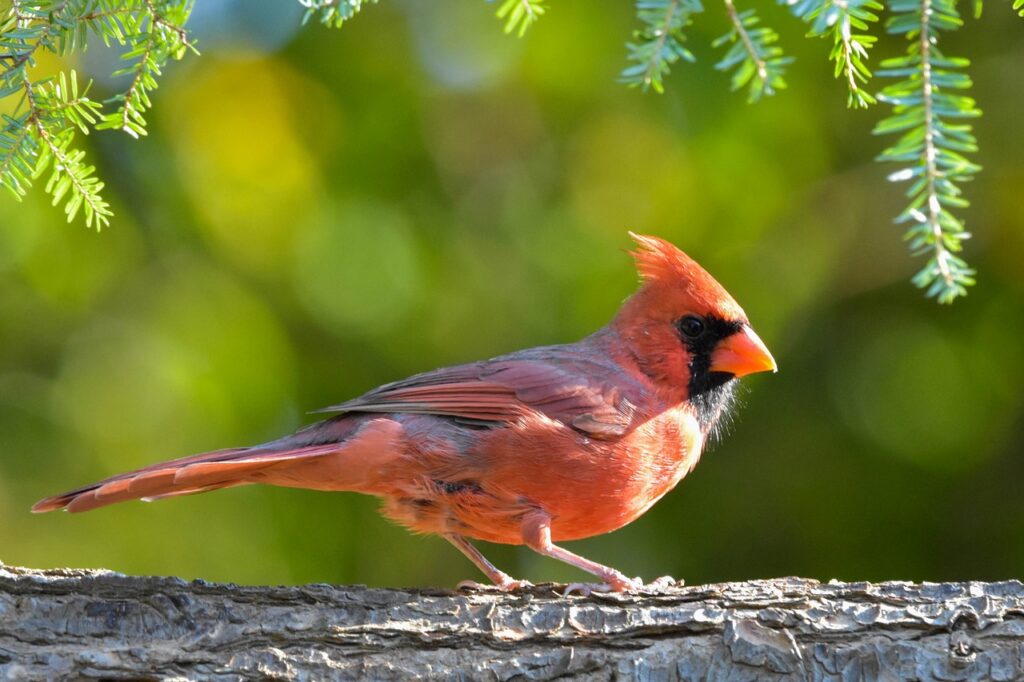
x=98, y=624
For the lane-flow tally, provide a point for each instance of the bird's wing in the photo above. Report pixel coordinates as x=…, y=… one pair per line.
x=503, y=390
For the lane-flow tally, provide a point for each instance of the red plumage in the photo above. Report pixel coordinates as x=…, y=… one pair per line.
x=545, y=444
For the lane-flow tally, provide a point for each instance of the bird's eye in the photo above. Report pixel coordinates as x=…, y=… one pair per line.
x=691, y=326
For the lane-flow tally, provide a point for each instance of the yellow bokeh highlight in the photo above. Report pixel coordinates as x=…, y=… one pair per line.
x=47, y=65
x=248, y=172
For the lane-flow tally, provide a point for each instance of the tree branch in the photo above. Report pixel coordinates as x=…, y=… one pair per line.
x=97, y=624
x=657, y=53
x=930, y=169
x=748, y=44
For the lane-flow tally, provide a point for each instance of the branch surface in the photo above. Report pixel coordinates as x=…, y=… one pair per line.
x=96, y=624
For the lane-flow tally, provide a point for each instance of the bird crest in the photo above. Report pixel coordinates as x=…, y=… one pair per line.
x=663, y=266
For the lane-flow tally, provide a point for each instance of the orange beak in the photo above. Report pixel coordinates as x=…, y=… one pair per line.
x=741, y=354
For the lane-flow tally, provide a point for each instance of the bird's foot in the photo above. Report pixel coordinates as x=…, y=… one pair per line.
x=662, y=584
x=614, y=582
x=657, y=585
x=585, y=589
x=509, y=585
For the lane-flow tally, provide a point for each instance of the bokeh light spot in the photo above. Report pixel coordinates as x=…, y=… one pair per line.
x=245, y=167
x=910, y=389
x=628, y=172
x=464, y=57
x=72, y=267
x=356, y=268
x=244, y=26
x=203, y=366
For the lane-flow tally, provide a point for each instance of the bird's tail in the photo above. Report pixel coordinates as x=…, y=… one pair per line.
x=195, y=474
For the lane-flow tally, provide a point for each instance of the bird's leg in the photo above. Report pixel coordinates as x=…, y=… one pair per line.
x=503, y=581
x=537, y=536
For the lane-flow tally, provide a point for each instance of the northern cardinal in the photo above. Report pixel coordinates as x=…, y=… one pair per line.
x=545, y=444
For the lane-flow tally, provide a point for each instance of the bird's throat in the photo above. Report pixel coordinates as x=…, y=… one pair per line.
x=712, y=402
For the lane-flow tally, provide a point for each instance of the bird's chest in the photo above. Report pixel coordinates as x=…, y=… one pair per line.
x=654, y=459
x=602, y=486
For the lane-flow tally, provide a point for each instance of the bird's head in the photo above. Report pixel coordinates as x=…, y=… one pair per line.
x=685, y=331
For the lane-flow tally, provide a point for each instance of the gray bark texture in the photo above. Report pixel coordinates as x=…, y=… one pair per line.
x=89, y=624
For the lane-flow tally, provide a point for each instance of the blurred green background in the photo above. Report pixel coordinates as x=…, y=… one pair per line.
x=317, y=212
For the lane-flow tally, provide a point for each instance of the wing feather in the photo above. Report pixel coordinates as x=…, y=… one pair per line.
x=504, y=390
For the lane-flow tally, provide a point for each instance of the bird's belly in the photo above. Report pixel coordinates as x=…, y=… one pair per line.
x=616, y=500
x=587, y=487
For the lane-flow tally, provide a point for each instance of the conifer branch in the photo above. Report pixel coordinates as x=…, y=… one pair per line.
x=740, y=30
x=153, y=40
x=519, y=15
x=16, y=149
x=659, y=43
x=931, y=171
x=129, y=117
x=923, y=104
x=47, y=113
x=757, y=60
x=69, y=176
x=848, y=23
x=850, y=52
x=662, y=34
x=333, y=13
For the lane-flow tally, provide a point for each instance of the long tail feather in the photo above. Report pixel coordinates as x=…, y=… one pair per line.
x=198, y=473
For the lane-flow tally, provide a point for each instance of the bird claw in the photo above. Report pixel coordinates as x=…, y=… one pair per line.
x=663, y=583
x=619, y=583
x=585, y=589
x=509, y=585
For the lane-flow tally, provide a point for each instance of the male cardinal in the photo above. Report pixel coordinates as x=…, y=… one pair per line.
x=545, y=444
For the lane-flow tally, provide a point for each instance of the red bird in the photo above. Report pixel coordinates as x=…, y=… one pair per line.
x=542, y=445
